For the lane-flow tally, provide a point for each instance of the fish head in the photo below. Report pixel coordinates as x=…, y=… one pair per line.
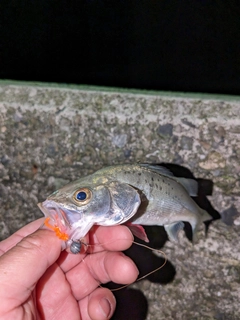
x=76, y=207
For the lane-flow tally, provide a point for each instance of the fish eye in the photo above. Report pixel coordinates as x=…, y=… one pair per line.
x=82, y=196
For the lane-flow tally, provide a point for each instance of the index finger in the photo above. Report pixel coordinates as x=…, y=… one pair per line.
x=112, y=238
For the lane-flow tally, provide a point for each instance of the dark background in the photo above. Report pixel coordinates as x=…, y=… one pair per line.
x=161, y=45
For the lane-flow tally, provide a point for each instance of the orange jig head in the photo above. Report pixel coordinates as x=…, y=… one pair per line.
x=61, y=235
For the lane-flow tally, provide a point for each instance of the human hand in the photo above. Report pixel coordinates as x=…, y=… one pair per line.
x=38, y=281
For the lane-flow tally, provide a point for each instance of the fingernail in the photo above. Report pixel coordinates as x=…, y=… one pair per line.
x=105, y=307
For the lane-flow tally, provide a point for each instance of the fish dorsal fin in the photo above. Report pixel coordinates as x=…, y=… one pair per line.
x=190, y=185
x=158, y=169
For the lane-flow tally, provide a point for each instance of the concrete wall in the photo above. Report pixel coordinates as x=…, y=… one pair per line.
x=50, y=135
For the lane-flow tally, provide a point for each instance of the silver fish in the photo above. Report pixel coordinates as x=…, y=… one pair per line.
x=140, y=194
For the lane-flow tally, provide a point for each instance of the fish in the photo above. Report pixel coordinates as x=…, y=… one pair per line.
x=133, y=194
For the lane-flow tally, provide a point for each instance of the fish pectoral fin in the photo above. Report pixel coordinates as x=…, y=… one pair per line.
x=138, y=231
x=173, y=230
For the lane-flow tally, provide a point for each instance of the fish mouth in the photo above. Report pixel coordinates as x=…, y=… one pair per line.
x=66, y=225
x=57, y=216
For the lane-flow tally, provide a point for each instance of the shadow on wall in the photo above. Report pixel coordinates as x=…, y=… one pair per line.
x=131, y=303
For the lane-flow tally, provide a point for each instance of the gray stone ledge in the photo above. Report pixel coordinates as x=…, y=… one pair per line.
x=50, y=135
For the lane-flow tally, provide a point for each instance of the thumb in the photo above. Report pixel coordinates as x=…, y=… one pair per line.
x=24, y=264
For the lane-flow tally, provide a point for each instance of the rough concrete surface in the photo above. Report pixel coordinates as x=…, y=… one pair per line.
x=51, y=135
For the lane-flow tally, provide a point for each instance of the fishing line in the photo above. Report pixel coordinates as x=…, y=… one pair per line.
x=136, y=243
x=148, y=274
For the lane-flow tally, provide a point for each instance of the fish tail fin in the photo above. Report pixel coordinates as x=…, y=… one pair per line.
x=195, y=226
x=204, y=216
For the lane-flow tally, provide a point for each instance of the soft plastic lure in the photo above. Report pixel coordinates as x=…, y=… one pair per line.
x=75, y=246
x=61, y=235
